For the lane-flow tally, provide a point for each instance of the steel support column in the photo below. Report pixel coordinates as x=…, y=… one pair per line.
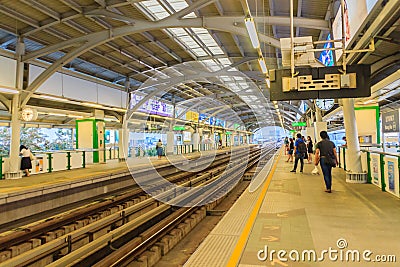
x=14, y=171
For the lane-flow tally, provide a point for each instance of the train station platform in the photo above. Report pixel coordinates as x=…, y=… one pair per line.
x=291, y=221
x=93, y=171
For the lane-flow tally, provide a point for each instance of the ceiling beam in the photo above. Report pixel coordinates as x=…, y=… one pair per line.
x=192, y=7
x=225, y=24
x=42, y=8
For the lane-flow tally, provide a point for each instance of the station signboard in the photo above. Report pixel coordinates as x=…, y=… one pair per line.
x=390, y=122
x=219, y=122
x=203, y=118
x=299, y=123
x=192, y=116
x=152, y=106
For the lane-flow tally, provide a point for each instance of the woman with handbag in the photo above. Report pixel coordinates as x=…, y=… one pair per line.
x=326, y=155
x=26, y=163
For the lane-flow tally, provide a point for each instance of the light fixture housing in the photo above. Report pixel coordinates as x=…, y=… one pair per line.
x=251, y=29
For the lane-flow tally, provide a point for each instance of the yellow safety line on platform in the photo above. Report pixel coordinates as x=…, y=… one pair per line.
x=237, y=252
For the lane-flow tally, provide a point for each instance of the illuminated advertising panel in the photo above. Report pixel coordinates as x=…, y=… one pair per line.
x=152, y=106
x=212, y=120
x=192, y=116
x=219, y=122
x=203, y=118
x=326, y=56
x=355, y=12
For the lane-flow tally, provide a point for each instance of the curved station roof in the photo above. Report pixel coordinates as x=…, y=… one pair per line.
x=197, y=49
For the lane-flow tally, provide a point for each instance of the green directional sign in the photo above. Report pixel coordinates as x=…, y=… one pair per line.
x=179, y=128
x=228, y=133
x=299, y=123
x=293, y=131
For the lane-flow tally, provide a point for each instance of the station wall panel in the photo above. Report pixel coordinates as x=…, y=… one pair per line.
x=80, y=89
x=110, y=96
x=52, y=86
x=8, y=68
x=77, y=89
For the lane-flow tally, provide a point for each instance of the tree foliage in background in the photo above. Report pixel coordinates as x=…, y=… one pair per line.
x=36, y=139
x=63, y=140
x=5, y=140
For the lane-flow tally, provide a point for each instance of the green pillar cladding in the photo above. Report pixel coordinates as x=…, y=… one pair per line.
x=378, y=130
x=95, y=142
x=83, y=159
x=382, y=165
x=49, y=158
x=344, y=158
x=1, y=167
x=68, y=160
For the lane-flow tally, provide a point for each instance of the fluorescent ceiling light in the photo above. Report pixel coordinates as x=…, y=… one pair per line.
x=55, y=98
x=268, y=81
x=5, y=90
x=369, y=101
x=263, y=67
x=92, y=105
x=251, y=29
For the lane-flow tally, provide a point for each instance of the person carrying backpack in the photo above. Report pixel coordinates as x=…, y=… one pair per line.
x=300, y=150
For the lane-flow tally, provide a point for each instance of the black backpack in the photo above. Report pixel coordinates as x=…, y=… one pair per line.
x=302, y=148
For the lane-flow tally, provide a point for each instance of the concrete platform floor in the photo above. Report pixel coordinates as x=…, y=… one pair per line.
x=298, y=215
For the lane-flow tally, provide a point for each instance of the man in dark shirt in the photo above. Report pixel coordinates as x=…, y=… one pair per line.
x=299, y=155
x=324, y=149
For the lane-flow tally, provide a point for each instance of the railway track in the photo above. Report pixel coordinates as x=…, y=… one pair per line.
x=119, y=230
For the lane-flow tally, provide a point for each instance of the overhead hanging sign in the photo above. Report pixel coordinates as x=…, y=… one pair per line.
x=390, y=122
x=203, y=118
x=192, y=116
x=299, y=123
x=152, y=106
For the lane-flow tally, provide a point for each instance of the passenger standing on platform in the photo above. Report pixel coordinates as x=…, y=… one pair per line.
x=324, y=149
x=300, y=149
x=345, y=141
x=159, y=147
x=310, y=148
x=290, y=152
x=26, y=163
x=286, y=142
x=219, y=144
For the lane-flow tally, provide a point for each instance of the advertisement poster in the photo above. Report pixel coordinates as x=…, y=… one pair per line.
x=355, y=12
x=326, y=56
x=375, y=171
x=391, y=176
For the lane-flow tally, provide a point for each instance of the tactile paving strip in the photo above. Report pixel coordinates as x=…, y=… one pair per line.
x=217, y=248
